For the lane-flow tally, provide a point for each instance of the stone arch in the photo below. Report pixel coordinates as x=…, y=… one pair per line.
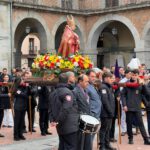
x=37, y=25
x=80, y=30
x=33, y=15
x=102, y=22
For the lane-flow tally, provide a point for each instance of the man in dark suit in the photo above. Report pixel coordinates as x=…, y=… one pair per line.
x=82, y=99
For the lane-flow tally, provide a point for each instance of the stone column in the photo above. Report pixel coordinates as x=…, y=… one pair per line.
x=92, y=55
x=120, y=2
x=144, y=57
x=75, y=4
x=17, y=56
x=102, y=4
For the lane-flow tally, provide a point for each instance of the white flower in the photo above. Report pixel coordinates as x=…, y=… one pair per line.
x=59, y=57
x=72, y=56
x=58, y=64
x=37, y=65
x=76, y=64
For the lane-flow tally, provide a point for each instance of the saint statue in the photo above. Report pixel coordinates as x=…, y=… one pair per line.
x=70, y=40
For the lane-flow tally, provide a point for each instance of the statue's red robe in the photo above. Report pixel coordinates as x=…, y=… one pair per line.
x=69, y=43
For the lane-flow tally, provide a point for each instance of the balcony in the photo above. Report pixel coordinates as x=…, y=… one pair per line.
x=82, y=7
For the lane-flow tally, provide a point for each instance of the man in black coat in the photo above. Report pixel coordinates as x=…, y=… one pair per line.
x=131, y=101
x=43, y=93
x=107, y=113
x=82, y=99
x=66, y=120
x=21, y=96
x=146, y=91
x=32, y=101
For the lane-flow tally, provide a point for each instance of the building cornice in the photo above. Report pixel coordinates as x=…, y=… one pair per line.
x=81, y=12
x=5, y=1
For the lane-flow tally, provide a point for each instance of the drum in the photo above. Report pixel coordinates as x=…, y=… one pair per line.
x=88, y=124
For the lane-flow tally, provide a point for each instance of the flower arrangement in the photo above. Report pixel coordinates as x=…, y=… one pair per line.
x=55, y=64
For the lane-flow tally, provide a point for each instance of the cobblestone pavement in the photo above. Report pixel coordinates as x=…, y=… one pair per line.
x=35, y=141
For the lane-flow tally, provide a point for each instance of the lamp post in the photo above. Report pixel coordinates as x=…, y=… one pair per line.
x=114, y=31
x=27, y=29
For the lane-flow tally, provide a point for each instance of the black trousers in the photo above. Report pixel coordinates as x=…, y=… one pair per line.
x=19, y=116
x=129, y=119
x=1, y=116
x=112, y=130
x=68, y=141
x=43, y=120
x=105, y=131
x=87, y=142
x=148, y=121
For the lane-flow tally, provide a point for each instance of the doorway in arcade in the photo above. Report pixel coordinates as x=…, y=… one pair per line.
x=115, y=42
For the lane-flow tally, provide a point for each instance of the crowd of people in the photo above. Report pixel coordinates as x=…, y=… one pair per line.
x=18, y=98
x=96, y=93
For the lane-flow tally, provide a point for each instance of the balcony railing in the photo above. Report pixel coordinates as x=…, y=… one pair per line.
x=83, y=4
x=33, y=52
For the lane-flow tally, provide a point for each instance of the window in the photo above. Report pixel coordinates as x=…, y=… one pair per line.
x=112, y=3
x=31, y=44
x=66, y=4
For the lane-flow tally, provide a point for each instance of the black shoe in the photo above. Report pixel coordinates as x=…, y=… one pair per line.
x=43, y=134
x=22, y=137
x=102, y=148
x=123, y=133
x=113, y=140
x=24, y=131
x=48, y=133
x=109, y=147
x=32, y=130
x=130, y=141
x=16, y=139
x=1, y=135
x=147, y=141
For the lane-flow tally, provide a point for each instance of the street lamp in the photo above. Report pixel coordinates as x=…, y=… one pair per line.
x=114, y=31
x=27, y=29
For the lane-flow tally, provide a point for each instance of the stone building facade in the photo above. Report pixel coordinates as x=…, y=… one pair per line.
x=108, y=29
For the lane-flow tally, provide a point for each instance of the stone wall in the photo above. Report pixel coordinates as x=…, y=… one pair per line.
x=5, y=39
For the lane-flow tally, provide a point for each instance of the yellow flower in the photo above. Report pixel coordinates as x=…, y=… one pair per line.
x=86, y=65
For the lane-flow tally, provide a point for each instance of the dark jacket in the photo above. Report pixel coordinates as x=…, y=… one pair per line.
x=4, y=98
x=108, y=101
x=33, y=90
x=132, y=98
x=146, y=91
x=82, y=100
x=21, y=98
x=43, y=93
x=68, y=115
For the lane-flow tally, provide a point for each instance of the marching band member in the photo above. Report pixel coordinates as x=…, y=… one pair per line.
x=131, y=101
x=43, y=104
x=108, y=108
x=20, y=106
x=147, y=95
x=64, y=114
x=82, y=99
